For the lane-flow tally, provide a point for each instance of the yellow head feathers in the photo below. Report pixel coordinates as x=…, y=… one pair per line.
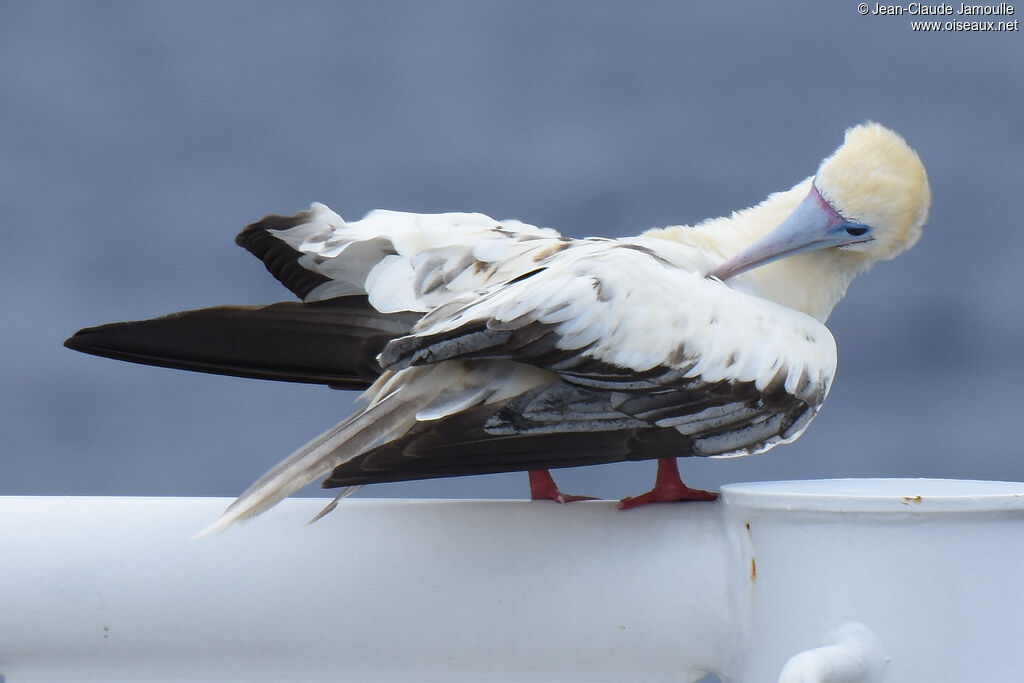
x=875, y=178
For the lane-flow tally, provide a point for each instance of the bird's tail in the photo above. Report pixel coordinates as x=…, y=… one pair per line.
x=396, y=403
x=382, y=421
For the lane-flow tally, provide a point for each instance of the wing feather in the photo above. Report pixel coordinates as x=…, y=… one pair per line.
x=625, y=328
x=734, y=373
x=402, y=261
x=333, y=342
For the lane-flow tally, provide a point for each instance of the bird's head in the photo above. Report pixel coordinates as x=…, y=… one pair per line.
x=867, y=203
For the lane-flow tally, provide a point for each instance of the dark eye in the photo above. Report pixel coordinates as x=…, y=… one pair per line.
x=856, y=231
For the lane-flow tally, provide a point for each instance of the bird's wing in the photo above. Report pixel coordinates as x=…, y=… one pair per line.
x=659, y=343
x=333, y=342
x=364, y=283
x=626, y=314
x=402, y=261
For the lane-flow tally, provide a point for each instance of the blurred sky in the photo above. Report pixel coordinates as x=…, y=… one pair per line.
x=139, y=137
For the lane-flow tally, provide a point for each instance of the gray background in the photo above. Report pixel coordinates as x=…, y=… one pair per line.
x=140, y=137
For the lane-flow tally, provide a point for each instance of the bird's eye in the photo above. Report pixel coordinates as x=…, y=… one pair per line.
x=856, y=231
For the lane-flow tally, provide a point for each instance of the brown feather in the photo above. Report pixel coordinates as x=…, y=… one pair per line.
x=333, y=342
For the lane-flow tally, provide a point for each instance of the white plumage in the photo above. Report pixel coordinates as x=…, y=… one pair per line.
x=497, y=341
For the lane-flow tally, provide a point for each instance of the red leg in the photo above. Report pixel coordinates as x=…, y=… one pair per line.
x=668, y=488
x=543, y=487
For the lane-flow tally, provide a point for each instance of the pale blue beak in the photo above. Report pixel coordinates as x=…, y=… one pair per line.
x=814, y=224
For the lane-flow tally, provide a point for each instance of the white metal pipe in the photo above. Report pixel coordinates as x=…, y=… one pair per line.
x=115, y=589
x=378, y=590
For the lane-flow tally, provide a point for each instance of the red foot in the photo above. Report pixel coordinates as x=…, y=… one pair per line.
x=668, y=488
x=543, y=487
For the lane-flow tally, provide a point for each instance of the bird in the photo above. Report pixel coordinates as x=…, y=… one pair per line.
x=485, y=346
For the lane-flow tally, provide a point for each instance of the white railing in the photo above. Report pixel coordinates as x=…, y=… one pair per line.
x=840, y=580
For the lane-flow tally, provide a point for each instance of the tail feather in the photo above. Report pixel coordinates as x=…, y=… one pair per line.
x=345, y=493
x=396, y=404
x=379, y=423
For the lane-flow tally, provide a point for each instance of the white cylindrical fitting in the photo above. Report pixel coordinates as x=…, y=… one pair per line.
x=931, y=567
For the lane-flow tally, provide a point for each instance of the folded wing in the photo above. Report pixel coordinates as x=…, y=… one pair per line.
x=645, y=359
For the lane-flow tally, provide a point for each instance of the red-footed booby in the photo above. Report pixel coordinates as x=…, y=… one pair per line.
x=490, y=346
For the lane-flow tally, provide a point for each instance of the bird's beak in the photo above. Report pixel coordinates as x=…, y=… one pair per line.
x=814, y=224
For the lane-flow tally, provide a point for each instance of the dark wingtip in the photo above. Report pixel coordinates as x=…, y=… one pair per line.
x=91, y=339
x=74, y=342
x=280, y=259
x=330, y=342
x=117, y=341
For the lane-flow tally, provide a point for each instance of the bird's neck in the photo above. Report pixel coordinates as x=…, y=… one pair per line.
x=812, y=282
